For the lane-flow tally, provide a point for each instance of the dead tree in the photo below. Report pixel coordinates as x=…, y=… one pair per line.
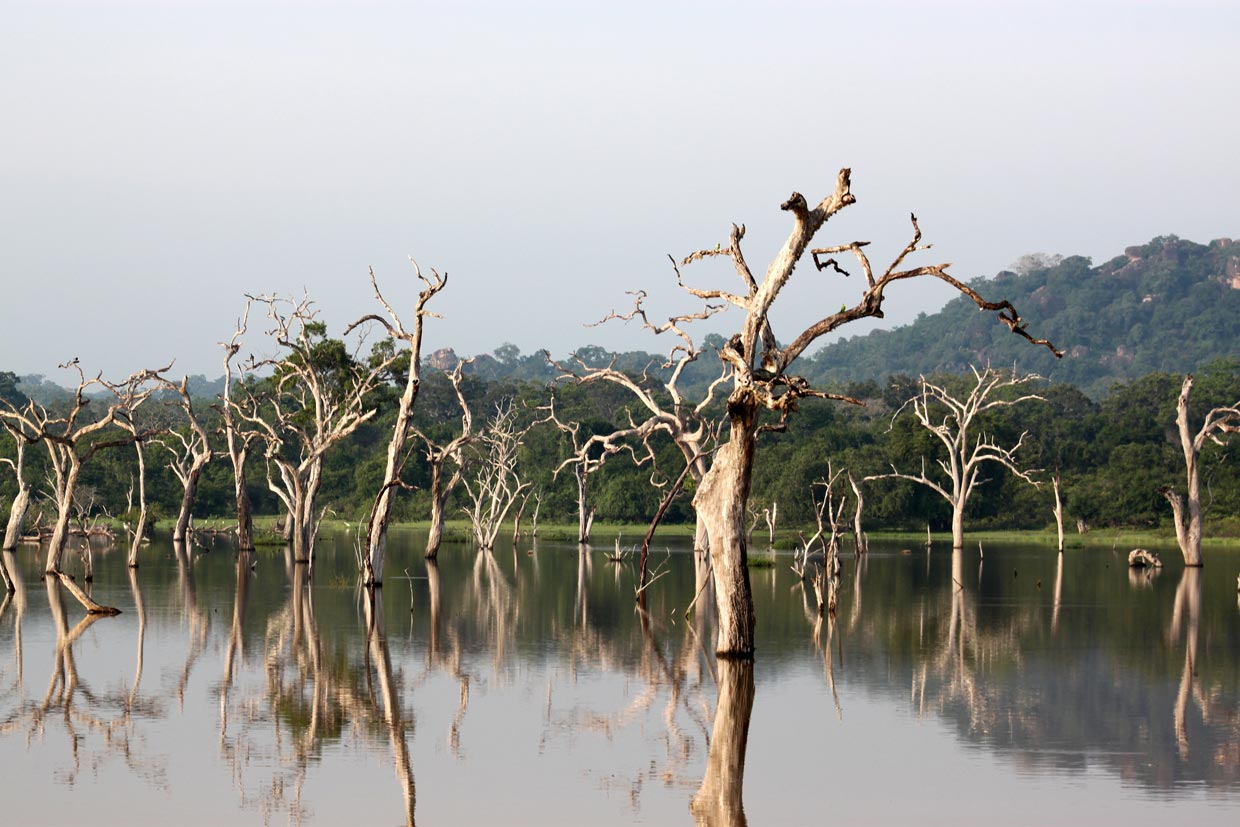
x=316, y=398
x=950, y=420
x=586, y=458
x=860, y=544
x=447, y=462
x=238, y=437
x=496, y=486
x=126, y=422
x=684, y=421
x=189, y=455
x=17, y=429
x=1218, y=425
x=73, y=440
x=761, y=381
x=377, y=524
x=1057, y=509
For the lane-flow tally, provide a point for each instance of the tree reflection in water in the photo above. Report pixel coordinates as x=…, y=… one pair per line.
x=1087, y=680
x=99, y=726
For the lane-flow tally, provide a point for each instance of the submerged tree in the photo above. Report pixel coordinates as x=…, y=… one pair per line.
x=761, y=381
x=377, y=524
x=950, y=420
x=1218, y=423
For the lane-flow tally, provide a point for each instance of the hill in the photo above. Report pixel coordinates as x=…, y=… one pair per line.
x=1169, y=305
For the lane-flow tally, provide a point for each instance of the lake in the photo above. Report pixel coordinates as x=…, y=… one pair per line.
x=526, y=687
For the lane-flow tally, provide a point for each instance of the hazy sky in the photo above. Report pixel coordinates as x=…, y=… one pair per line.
x=160, y=159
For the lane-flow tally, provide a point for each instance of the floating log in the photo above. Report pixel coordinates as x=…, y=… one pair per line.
x=1139, y=558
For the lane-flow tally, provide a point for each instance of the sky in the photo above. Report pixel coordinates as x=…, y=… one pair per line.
x=160, y=159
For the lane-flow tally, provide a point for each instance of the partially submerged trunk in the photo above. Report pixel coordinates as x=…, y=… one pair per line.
x=189, y=495
x=140, y=530
x=440, y=491
x=958, y=525
x=21, y=500
x=1058, y=509
x=17, y=516
x=720, y=503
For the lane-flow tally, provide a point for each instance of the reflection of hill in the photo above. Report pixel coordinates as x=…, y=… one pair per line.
x=1091, y=694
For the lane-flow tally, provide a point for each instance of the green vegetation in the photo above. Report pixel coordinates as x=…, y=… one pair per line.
x=1106, y=422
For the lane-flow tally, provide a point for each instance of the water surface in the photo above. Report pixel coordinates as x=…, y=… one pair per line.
x=527, y=687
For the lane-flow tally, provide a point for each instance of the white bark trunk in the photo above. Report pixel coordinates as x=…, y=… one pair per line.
x=720, y=502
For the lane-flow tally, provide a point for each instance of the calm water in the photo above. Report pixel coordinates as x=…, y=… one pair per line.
x=524, y=687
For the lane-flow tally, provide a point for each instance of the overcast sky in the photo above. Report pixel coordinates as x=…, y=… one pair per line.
x=160, y=159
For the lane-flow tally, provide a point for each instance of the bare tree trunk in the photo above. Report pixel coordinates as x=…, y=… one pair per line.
x=185, y=513
x=140, y=530
x=585, y=514
x=859, y=544
x=17, y=516
x=1058, y=509
x=21, y=500
x=719, y=802
x=440, y=491
x=720, y=502
x=958, y=524
x=245, y=517
x=64, y=509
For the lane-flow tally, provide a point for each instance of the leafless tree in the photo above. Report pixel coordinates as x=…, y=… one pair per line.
x=73, y=440
x=376, y=527
x=496, y=485
x=1218, y=425
x=315, y=401
x=952, y=421
x=586, y=457
x=447, y=462
x=238, y=436
x=125, y=421
x=664, y=406
x=761, y=380
x=189, y=454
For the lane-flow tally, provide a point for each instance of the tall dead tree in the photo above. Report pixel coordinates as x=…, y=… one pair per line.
x=1218, y=425
x=190, y=454
x=125, y=421
x=376, y=527
x=315, y=398
x=761, y=381
x=663, y=407
x=238, y=436
x=952, y=421
x=447, y=462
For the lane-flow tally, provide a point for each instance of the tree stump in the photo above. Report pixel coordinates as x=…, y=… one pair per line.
x=1139, y=558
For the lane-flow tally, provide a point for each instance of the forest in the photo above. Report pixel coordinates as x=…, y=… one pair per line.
x=1114, y=454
